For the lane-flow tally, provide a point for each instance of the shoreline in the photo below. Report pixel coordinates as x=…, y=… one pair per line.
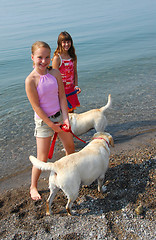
x=124, y=141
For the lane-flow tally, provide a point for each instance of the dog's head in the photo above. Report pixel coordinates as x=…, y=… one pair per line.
x=105, y=136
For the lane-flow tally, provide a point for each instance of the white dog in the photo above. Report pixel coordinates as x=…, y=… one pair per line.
x=82, y=167
x=83, y=122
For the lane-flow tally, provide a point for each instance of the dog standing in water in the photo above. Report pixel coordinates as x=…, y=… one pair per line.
x=82, y=167
x=94, y=118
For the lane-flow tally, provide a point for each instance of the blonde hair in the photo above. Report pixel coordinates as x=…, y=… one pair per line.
x=39, y=44
x=65, y=36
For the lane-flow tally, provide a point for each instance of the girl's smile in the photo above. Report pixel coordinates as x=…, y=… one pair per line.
x=41, y=59
x=66, y=45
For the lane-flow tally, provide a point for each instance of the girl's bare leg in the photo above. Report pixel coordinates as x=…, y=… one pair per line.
x=68, y=143
x=43, y=145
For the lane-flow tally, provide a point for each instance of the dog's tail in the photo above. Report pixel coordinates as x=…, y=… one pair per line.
x=109, y=103
x=41, y=165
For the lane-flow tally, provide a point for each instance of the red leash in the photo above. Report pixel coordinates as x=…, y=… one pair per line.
x=52, y=146
x=55, y=136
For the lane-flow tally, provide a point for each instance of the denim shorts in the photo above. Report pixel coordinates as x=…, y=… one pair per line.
x=42, y=129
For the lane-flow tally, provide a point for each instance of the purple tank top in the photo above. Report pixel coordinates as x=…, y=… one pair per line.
x=48, y=94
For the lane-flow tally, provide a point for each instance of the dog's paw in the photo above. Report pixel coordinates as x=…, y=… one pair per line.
x=102, y=189
x=84, y=186
x=69, y=212
x=47, y=213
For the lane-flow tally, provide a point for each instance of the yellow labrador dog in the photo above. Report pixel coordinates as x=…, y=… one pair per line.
x=83, y=122
x=82, y=167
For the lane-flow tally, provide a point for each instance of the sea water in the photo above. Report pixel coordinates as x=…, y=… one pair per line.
x=115, y=43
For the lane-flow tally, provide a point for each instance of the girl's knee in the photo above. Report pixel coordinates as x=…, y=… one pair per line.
x=68, y=142
x=70, y=148
x=42, y=158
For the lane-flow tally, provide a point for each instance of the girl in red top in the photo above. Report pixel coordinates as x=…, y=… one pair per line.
x=65, y=60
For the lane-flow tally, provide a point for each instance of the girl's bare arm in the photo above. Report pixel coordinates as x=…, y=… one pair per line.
x=56, y=62
x=32, y=95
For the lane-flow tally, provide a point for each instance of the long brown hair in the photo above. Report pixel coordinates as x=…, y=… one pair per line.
x=65, y=36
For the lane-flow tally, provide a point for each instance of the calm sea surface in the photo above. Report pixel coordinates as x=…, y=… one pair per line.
x=115, y=43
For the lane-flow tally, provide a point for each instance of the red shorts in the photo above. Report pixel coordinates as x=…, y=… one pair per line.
x=73, y=99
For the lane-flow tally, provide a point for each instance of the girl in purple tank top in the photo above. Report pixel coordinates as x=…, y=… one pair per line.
x=45, y=91
x=65, y=60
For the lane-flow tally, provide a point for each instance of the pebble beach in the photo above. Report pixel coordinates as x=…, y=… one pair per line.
x=125, y=211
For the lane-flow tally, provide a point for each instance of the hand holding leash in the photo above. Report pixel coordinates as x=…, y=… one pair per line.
x=65, y=128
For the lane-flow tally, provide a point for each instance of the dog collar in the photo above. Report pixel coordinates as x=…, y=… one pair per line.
x=103, y=139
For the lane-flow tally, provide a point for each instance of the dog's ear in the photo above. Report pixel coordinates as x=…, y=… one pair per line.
x=111, y=141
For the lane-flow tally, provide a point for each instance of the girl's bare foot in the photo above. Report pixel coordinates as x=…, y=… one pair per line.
x=34, y=194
